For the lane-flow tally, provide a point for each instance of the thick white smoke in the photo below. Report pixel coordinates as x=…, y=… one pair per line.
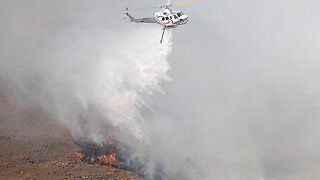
x=244, y=104
x=92, y=80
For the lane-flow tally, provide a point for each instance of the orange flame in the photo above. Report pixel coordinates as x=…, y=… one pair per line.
x=79, y=155
x=108, y=159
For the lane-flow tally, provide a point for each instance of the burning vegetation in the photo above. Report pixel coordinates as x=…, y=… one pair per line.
x=105, y=154
x=113, y=153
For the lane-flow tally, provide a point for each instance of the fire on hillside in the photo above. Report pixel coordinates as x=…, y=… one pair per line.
x=113, y=153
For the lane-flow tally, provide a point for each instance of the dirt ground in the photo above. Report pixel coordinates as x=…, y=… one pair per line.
x=33, y=146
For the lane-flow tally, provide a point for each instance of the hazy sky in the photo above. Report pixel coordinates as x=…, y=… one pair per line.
x=244, y=98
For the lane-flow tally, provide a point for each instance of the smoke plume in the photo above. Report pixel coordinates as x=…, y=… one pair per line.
x=243, y=103
x=92, y=80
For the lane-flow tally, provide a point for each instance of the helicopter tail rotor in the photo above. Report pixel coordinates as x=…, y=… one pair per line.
x=126, y=14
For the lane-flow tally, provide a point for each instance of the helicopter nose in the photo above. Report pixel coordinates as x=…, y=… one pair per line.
x=184, y=19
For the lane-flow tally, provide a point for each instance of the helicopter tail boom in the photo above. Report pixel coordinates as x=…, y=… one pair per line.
x=132, y=19
x=140, y=20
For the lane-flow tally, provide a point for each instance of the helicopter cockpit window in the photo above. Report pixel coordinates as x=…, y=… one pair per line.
x=179, y=14
x=167, y=18
x=163, y=19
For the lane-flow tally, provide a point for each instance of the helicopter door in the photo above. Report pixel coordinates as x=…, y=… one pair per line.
x=175, y=18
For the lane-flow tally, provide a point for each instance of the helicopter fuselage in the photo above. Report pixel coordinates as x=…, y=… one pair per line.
x=170, y=18
x=166, y=18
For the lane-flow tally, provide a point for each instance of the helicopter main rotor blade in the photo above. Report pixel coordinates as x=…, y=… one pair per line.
x=168, y=5
x=145, y=8
x=184, y=3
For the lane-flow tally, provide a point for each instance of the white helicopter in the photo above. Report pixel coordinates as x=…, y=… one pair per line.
x=166, y=17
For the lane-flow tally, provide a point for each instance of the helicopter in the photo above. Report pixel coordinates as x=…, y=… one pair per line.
x=166, y=17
